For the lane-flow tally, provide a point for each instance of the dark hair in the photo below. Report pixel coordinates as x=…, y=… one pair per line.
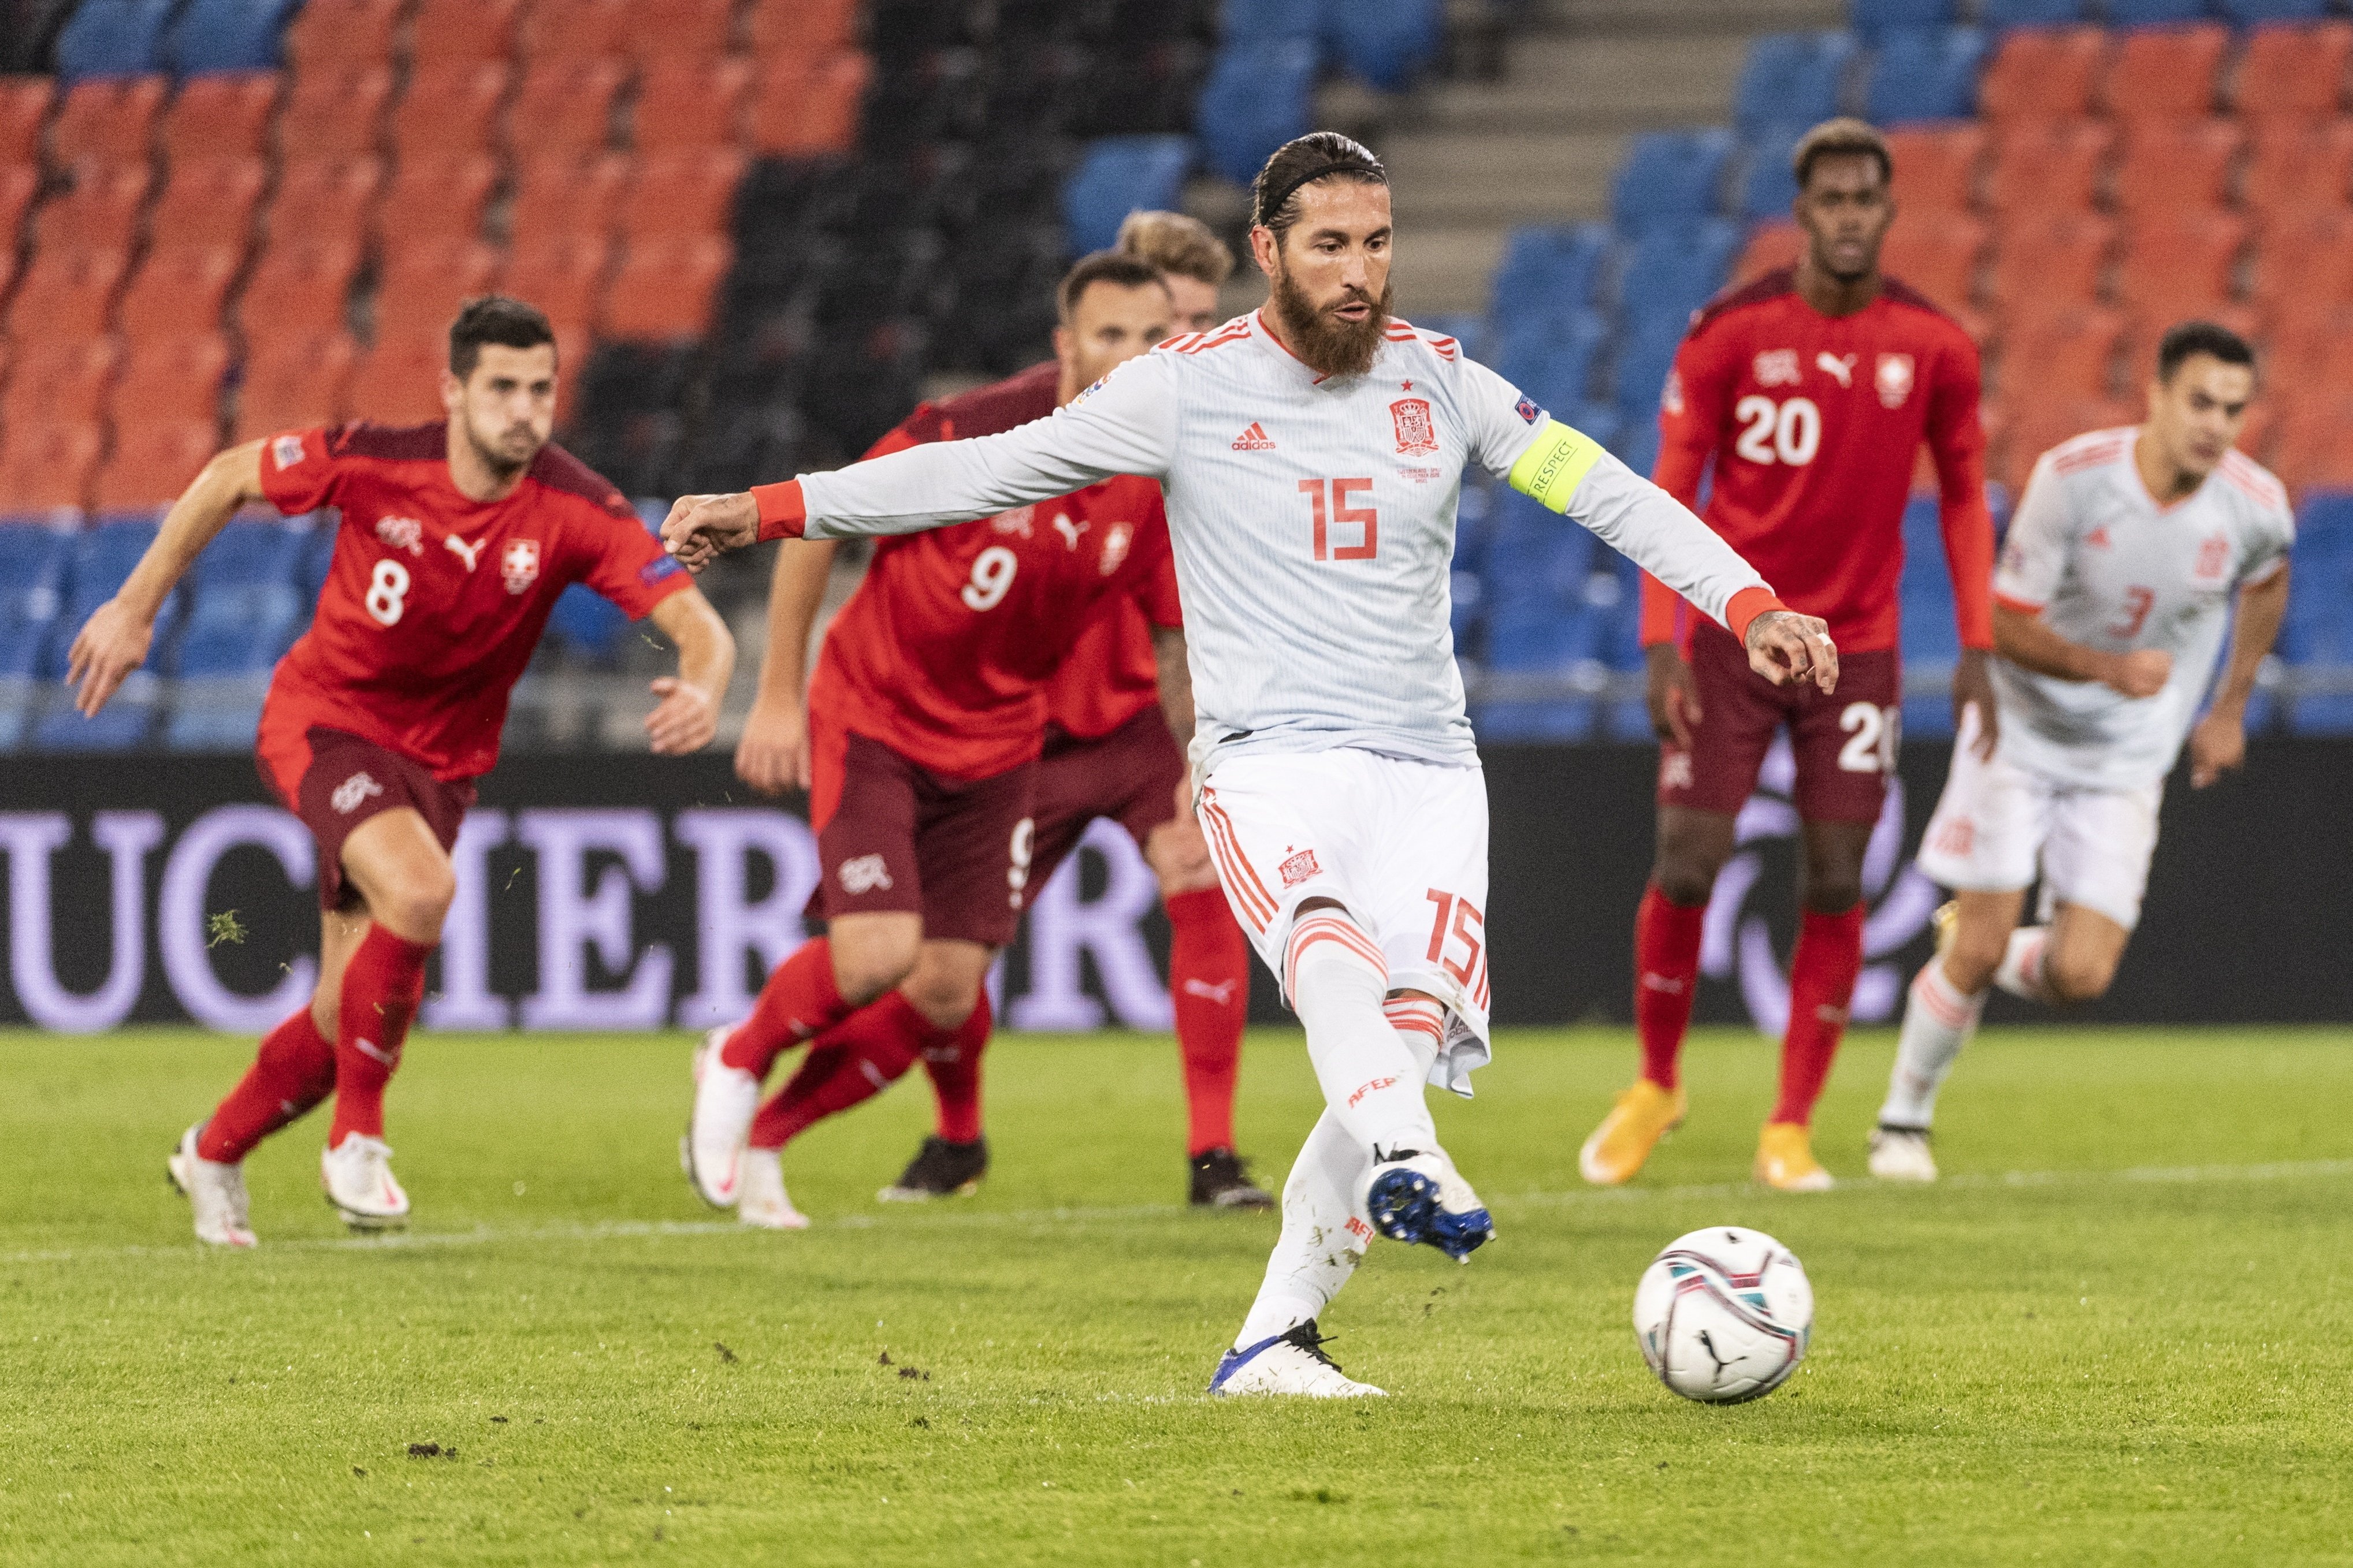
x=1112, y=266
x=1833, y=138
x=2184, y=338
x=1274, y=194
x=494, y=319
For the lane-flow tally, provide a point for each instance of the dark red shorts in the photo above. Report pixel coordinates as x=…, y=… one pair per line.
x=335, y=781
x=1843, y=744
x=1129, y=775
x=900, y=839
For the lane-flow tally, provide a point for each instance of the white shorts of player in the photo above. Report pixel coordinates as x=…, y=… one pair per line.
x=1996, y=823
x=1401, y=844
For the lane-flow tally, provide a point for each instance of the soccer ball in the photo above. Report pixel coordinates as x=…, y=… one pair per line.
x=1724, y=1315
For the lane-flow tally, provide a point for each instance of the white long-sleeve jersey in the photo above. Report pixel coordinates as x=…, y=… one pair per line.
x=1313, y=521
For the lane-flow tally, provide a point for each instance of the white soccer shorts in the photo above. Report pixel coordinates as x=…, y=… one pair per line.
x=1401, y=844
x=1998, y=824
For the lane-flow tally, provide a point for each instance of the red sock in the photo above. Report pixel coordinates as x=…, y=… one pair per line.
x=1822, y=985
x=800, y=1001
x=382, y=986
x=854, y=1061
x=953, y=1058
x=1208, y=986
x=1666, y=974
x=294, y=1071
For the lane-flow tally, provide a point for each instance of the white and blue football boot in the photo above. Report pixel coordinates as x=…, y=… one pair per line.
x=1417, y=1196
x=1290, y=1363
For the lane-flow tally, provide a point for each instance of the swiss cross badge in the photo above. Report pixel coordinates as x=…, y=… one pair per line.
x=1894, y=379
x=519, y=564
x=1415, y=435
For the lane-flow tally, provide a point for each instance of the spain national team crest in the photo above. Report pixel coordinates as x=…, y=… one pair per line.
x=1894, y=379
x=519, y=564
x=1415, y=435
x=1299, y=868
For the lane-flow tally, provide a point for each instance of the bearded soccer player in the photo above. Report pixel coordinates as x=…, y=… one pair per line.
x=920, y=748
x=2116, y=580
x=1311, y=454
x=1811, y=390
x=456, y=540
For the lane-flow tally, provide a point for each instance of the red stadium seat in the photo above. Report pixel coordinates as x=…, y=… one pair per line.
x=399, y=382
x=564, y=197
x=2304, y=264
x=2296, y=165
x=48, y=465
x=300, y=287
x=329, y=198
x=2166, y=71
x=2060, y=355
x=571, y=31
x=183, y=289
x=685, y=103
x=2294, y=70
x=208, y=202
x=1771, y=246
x=802, y=26
x=2060, y=258
x=2042, y=73
x=293, y=381
x=465, y=30
x=566, y=106
x=2048, y=166
x=24, y=108
x=1938, y=253
x=343, y=32
x=170, y=379
x=108, y=120
x=18, y=184
x=335, y=110
x=66, y=294
x=450, y=109
x=2314, y=446
x=99, y=213
x=2142, y=336
x=153, y=463
x=2176, y=264
x=810, y=105
x=225, y=116
x=566, y=277
x=437, y=198
x=682, y=29
x=62, y=380
x=2035, y=426
x=2310, y=349
x=683, y=193
x=2170, y=165
x=1936, y=166
x=666, y=288
x=425, y=280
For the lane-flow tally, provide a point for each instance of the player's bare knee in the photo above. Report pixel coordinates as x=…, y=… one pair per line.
x=1684, y=878
x=873, y=954
x=415, y=906
x=1831, y=895
x=2074, y=978
x=946, y=1000
x=1971, y=961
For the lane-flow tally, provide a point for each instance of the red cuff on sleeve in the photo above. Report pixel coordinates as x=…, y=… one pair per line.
x=1746, y=607
x=782, y=514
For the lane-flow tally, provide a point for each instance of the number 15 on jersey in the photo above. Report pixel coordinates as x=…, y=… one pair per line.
x=1328, y=501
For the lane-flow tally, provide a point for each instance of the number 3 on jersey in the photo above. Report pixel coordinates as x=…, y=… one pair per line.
x=1336, y=510
x=1788, y=432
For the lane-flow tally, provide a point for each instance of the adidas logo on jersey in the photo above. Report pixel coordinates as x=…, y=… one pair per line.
x=1254, y=439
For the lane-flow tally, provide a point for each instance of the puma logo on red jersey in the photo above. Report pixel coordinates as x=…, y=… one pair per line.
x=1068, y=530
x=1840, y=367
x=463, y=550
x=1254, y=439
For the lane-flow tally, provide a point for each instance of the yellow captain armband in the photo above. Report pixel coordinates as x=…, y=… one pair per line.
x=1552, y=467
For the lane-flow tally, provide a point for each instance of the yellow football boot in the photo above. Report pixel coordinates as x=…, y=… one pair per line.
x=1785, y=1159
x=1644, y=1114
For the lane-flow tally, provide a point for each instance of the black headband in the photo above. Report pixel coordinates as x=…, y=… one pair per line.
x=1268, y=209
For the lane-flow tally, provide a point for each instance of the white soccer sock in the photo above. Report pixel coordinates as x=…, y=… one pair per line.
x=2020, y=970
x=1937, y=1022
x=1339, y=985
x=1325, y=1232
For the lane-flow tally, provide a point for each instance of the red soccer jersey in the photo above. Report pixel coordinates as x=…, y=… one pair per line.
x=1814, y=422
x=433, y=601
x=944, y=652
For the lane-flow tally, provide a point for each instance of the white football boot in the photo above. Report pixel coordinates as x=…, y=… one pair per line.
x=1417, y=1195
x=215, y=1191
x=725, y=1100
x=357, y=1174
x=762, y=1200
x=1292, y=1363
x=1902, y=1154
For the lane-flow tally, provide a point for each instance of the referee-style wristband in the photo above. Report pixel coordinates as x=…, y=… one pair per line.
x=783, y=513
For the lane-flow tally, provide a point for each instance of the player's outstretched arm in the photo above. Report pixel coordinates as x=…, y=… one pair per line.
x=1176, y=678
x=773, y=754
x=114, y=641
x=2026, y=640
x=687, y=718
x=2218, y=745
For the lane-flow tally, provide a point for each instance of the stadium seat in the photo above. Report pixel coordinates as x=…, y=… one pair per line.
x=685, y=195
x=1552, y=358
x=697, y=30
x=1118, y=175
x=300, y=287
x=399, y=382
x=2169, y=164
x=566, y=33
x=101, y=212
x=1938, y=166
x=666, y=287
x=2244, y=12
x=171, y=379
x=2064, y=355
x=1767, y=181
x=332, y=199
x=2042, y=422
x=1792, y=79
x=2293, y=71
x=2166, y=71
x=2043, y=73
x=1875, y=18
x=225, y=116
x=335, y=109
x=2009, y=14
x=449, y=110
x=60, y=380
x=46, y=465
x=2047, y=167
x=2154, y=12
x=440, y=196
x=2051, y=260
x=25, y=103
x=227, y=36
x=1769, y=248
x=2313, y=450
x=245, y=600
x=565, y=196
x=66, y=294
x=32, y=597
x=2177, y=264
x=1670, y=178
x=564, y=276
x=1387, y=42
x=1258, y=96
x=184, y=289
x=150, y=464
x=685, y=103
x=1938, y=253
x=1554, y=268
x=342, y=32
x=424, y=281
x=810, y=105
x=206, y=203
x=565, y=105
x=2304, y=268
x=459, y=30
x=2296, y=165
x=110, y=121
x=113, y=38
x=779, y=27
x=1671, y=272
x=100, y=558
x=1925, y=74
x=293, y=382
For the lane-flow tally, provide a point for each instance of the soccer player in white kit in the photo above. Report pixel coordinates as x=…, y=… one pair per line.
x=1311, y=455
x=2110, y=601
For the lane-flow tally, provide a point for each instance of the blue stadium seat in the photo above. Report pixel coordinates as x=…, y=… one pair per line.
x=1670, y=273
x=1118, y=175
x=1768, y=183
x=32, y=576
x=587, y=623
x=1637, y=440
x=1271, y=21
x=2150, y=13
x=1925, y=74
x=1552, y=269
x=113, y=37
x=227, y=36
x=100, y=558
x=1792, y=77
x=2247, y=11
x=246, y=602
x=1670, y=179
x=1873, y=18
x=2317, y=632
x=1258, y=96
x=1552, y=359
x=1385, y=42
x=2000, y=14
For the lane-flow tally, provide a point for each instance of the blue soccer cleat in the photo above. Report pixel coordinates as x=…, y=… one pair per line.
x=1421, y=1197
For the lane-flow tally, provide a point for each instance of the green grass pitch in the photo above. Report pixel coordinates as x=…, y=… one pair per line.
x=2121, y=1335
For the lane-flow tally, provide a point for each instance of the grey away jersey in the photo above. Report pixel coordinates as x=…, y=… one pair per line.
x=2107, y=567
x=1313, y=521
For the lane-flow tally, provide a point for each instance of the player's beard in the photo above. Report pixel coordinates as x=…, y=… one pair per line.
x=506, y=458
x=1332, y=348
